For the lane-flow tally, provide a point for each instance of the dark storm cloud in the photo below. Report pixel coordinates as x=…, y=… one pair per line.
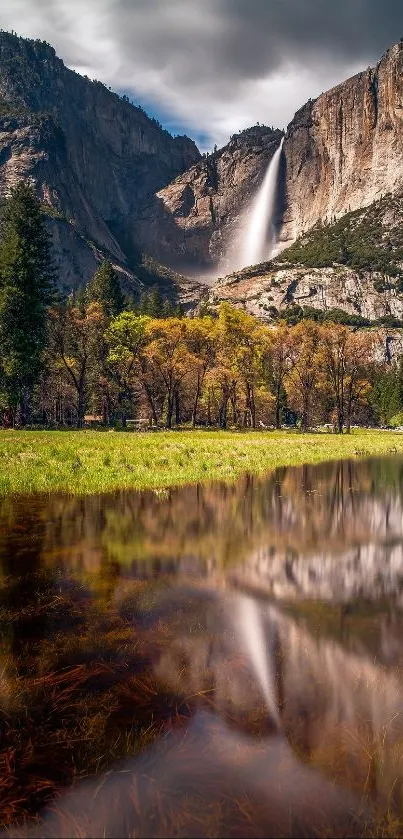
x=265, y=32
x=216, y=65
x=237, y=40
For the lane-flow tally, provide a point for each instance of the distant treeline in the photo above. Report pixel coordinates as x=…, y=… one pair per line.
x=96, y=355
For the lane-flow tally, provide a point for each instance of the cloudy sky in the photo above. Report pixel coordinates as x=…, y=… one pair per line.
x=212, y=67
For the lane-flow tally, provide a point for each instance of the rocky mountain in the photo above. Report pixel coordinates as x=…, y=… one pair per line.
x=267, y=290
x=344, y=150
x=94, y=157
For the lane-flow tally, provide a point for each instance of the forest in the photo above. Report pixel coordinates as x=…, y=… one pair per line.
x=100, y=357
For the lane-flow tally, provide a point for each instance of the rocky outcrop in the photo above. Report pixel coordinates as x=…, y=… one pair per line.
x=269, y=288
x=193, y=222
x=93, y=156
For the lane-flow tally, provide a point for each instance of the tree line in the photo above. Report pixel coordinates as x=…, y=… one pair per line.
x=96, y=353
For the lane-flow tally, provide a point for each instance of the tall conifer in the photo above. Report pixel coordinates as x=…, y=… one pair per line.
x=104, y=288
x=26, y=280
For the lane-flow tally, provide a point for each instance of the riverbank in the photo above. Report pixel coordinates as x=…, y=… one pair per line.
x=82, y=462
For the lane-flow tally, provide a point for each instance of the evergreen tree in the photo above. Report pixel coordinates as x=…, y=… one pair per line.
x=26, y=280
x=104, y=288
x=179, y=311
x=144, y=304
x=387, y=391
x=156, y=303
x=151, y=303
x=168, y=309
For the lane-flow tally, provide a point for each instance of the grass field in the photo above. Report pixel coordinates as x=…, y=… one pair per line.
x=83, y=462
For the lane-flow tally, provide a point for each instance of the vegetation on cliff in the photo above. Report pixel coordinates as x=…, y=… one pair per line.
x=370, y=239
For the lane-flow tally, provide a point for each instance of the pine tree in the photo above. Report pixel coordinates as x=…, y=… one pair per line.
x=104, y=288
x=168, y=309
x=151, y=303
x=179, y=311
x=26, y=280
x=156, y=303
x=144, y=304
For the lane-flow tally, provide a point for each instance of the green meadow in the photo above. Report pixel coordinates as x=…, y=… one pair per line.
x=83, y=462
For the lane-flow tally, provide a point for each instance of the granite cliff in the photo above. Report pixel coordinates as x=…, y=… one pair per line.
x=93, y=156
x=345, y=149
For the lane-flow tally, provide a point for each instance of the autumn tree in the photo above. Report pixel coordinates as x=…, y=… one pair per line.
x=126, y=338
x=303, y=378
x=345, y=356
x=200, y=341
x=170, y=358
x=279, y=358
x=75, y=340
x=223, y=378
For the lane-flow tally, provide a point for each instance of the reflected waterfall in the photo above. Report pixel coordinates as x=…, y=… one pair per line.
x=253, y=635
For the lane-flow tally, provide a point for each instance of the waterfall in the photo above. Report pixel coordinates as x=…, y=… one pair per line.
x=259, y=223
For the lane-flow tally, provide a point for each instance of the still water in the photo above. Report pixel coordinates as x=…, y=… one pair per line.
x=206, y=661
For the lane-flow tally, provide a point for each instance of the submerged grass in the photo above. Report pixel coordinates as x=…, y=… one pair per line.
x=81, y=462
x=77, y=692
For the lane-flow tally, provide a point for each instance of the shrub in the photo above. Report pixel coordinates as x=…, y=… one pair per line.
x=397, y=420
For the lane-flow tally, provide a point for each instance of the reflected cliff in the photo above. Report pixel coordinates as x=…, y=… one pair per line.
x=331, y=531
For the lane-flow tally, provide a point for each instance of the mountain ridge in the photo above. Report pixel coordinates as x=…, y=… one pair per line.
x=93, y=156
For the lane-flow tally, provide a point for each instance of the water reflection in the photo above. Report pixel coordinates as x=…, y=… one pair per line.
x=229, y=655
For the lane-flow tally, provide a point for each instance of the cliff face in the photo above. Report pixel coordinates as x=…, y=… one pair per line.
x=345, y=150
x=270, y=286
x=192, y=222
x=94, y=157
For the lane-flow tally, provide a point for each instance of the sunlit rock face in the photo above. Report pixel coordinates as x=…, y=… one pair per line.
x=345, y=150
x=276, y=286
